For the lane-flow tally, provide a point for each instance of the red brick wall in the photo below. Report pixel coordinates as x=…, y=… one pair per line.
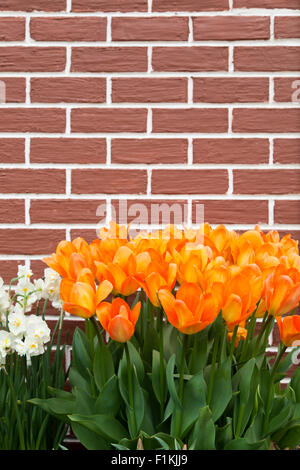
x=187, y=101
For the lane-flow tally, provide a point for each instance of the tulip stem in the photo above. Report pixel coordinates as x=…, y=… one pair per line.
x=269, y=398
x=181, y=386
x=212, y=370
x=232, y=345
x=161, y=362
x=97, y=329
x=130, y=392
x=265, y=323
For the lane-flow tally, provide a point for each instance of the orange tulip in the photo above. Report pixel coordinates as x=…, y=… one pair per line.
x=282, y=291
x=70, y=257
x=192, y=310
x=289, y=328
x=122, y=270
x=81, y=297
x=241, y=334
x=240, y=294
x=118, y=319
x=157, y=274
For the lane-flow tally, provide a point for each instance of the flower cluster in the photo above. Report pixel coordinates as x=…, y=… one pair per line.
x=21, y=331
x=193, y=274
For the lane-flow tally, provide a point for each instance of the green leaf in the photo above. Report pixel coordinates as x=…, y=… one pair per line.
x=104, y=425
x=171, y=382
x=222, y=390
x=81, y=353
x=224, y=434
x=291, y=439
x=155, y=375
x=55, y=406
x=103, y=366
x=89, y=439
x=77, y=380
x=243, y=444
x=203, y=435
x=281, y=411
x=194, y=398
x=295, y=384
x=109, y=400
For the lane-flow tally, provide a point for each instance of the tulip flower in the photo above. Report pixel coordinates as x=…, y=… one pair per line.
x=70, y=257
x=241, y=294
x=241, y=334
x=289, y=328
x=122, y=270
x=191, y=310
x=282, y=291
x=81, y=297
x=118, y=319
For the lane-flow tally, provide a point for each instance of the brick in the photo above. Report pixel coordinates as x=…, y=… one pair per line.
x=266, y=120
x=232, y=211
x=68, y=150
x=12, y=211
x=190, y=120
x=58, y=211
x=12, y=150
x=291, y=4
x=40, y=5
x=109, y=120
x=9, y=269
x=68, y=90
x=231, y=151
x=28, y=241
x=287, y=89
x=189, y=5
x=189, y=59
x=88, y=234
x=190, y=181
x=109, y=181
x=287, y=151
x=287, y=26
x=32, y=120
x=267, y=58
x=32, y=181
x=287, y=212
x=68, y=29
x=12, y=29
x=12, y=90
x=149, y=90
x=150, y=29
x=109, y=5
x=266, y=181
x=147, y=211
x=32, y=59
x=109, y=59
x=149, y=151
x=231, y=28
x=231, y=90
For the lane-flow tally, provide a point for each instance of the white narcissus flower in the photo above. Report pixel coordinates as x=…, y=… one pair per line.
x=19, y=347
x=37, y=329
x=24, y=273
x=17, y=321
x=33, y=346
x=4, y=300
x=6, y=342
x=51, y=287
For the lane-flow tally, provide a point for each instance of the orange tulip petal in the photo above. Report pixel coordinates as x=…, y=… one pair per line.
x=103, y=290
x=103, y=313
x=167, y=301
x=77, y=310
x=120, y=329
x=232, y=309
x=84, y=295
